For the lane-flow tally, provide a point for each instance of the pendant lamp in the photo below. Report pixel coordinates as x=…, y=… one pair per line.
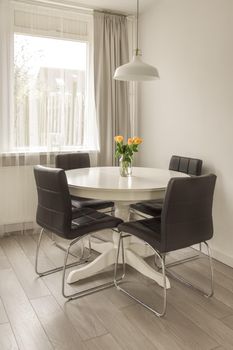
x=136, y=70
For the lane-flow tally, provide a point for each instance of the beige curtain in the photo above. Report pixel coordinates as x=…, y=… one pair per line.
x=111, y=96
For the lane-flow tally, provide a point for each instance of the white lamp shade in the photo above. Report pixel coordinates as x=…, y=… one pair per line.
x=136, y=70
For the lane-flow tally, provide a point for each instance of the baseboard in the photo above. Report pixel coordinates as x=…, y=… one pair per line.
x=19, y=228
x=217, y=255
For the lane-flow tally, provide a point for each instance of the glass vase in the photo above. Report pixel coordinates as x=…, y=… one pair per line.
x=125, y=167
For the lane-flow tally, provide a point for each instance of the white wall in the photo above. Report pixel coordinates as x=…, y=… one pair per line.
x=18, y=199
x=189, y=111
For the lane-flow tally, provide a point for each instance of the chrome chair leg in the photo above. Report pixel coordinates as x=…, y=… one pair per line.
x=162, y=258
x=56, y=269
x=58, y=245
x=89, y=245
x=120, y=243
x=64, y=268
x=209, y=252
x=183, y=261
x=88, y=291
x=183, y=280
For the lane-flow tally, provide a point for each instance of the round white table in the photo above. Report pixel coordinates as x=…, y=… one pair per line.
x=107, y=184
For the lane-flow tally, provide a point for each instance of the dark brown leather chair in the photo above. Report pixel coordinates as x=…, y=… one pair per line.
x=56, y=214
x=190, y=166
x=69, y=161
x=186, y=220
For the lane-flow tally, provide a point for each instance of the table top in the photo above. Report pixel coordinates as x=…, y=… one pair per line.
x=106, y=183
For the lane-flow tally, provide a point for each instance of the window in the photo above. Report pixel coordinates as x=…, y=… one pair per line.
x=53, y=90
x=50, y=92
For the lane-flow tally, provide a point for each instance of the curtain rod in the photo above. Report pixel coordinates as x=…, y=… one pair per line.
x=112, y=13
x=71, y=5
x=55, y=4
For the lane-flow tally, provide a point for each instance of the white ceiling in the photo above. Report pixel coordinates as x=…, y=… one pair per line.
x=125, y=6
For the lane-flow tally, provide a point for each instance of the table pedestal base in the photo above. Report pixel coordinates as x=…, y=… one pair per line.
x=134, y=251
x=108, y=258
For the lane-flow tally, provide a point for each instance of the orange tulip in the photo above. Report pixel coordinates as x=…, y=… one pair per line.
x=137, y=140
x=130, y=141
x=119, y=138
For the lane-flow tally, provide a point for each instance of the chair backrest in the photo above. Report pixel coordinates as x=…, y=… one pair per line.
x=186, y=217
x=191, y=166
x=54, y=211
x=68, y=161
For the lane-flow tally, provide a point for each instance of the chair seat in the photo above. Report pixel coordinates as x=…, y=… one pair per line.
x=152, y=208
x=97, y=204
x=87, y=220
x=149, y=230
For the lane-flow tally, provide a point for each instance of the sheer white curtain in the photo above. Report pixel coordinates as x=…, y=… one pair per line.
x=59, y=100
x=46, y=105
x=47, y=95
x=111, y=96
x=6, y=72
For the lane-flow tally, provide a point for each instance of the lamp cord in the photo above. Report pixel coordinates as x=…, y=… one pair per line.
x=137, y=49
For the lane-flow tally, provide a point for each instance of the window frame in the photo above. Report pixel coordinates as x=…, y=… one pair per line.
x=66, y=15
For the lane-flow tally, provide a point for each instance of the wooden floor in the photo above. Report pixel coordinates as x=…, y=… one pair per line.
x=34, y=315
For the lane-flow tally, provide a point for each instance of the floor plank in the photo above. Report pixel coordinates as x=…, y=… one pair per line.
x=220, y=277
x=119, y=299
x=87, y=324
x=28, y=245
x=223, y=289
x=174, y=331
x=7, y=339
x=55, y=254
x=228, y=321
x=222, y=334
x=4, y=262
x=41, y=318
x=128, y=336
x=3, y=315
x=27, y=329
x=226, y=270
x=80, y=314
x=59, y=329
x=197, y=272
x=212, y=306
x=104, y=342
x=32, y=285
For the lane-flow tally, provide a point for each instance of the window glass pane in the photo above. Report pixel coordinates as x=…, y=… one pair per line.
x=50, y=93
